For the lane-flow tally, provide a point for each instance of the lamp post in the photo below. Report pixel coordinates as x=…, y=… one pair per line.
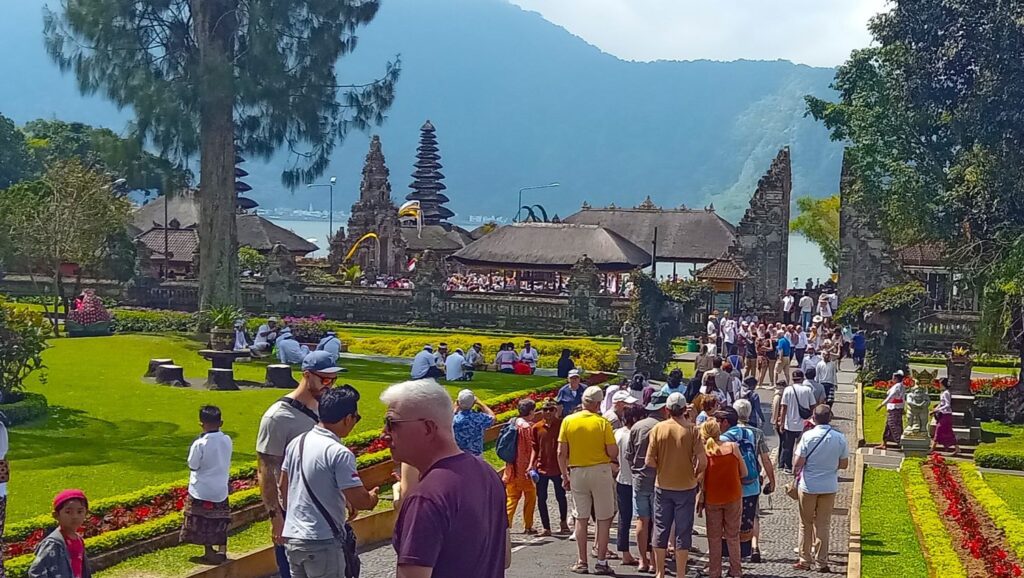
x=330, y=214
x=519, y=206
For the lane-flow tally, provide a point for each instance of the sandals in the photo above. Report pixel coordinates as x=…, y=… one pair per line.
x=579, y=568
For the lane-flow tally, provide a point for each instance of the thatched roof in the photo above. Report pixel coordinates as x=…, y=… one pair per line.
x=181, y=243
x=552, y=246
x=437, y=238
x=253, y=231
x=921, y=255
x=685, y=235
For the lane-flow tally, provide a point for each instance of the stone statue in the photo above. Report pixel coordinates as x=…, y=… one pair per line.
x=629, y=333
x=280, y=265
x=917, y=409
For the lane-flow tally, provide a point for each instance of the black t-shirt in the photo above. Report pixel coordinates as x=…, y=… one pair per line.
x=565, y=365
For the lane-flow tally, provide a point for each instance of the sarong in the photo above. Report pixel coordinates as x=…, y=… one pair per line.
x=747, y=517
x=893, y=426
x=206, y=523
x=944, y=430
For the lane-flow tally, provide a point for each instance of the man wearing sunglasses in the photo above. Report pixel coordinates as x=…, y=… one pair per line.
x=286, y=419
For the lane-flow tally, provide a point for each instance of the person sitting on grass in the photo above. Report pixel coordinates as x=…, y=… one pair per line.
x=207, y=513
x=289, y=350
x=62, y=553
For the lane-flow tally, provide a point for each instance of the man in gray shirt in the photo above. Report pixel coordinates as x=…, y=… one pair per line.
x=285, y=420
x=643, y=476
x=319, y=484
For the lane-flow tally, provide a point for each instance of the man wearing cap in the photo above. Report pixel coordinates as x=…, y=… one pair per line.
x=455, y=367
x=286, y=419
x=331, y=344
x=643, y=475
x=289, y=350
x=620, y=400
x=675, y=452
x=441, y=355
x=424, y=366
x=319, y=484
x=265, y=337
x=469, y=425
x=810, y=360
x=571, y=394
x=475, y=357
x=587, y=450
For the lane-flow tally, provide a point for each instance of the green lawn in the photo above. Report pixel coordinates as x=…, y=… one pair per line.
x=889, y=543
x=1011, y=489
x=977, y=369
x=1009, y=437
x=111, y=433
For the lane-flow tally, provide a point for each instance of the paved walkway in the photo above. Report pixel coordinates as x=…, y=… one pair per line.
x=551, y=557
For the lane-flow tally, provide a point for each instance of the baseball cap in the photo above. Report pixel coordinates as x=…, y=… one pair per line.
x=61, y=498
x=676, y=400
x=593, y=394
x=657, y=401
x=623, y=395
x=574, y=373
x=467, y=399
x=319, y=362
x=271, y=319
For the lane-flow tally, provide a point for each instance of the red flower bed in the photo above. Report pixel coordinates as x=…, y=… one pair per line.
x=122, y=517
x=980, y=386
x=961, y=511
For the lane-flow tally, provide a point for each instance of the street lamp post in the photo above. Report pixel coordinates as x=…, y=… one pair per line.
x=330, y=214
x=519, y=206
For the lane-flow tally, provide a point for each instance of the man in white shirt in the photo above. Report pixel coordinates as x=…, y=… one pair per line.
x=795, y=397
x=787, y=308
x=331, y=344
x=811, y=360
x=729, y=334
x=827, y=376
x=263, y=342
x=289, y=350
x=712, y=329
x=455, y=367
x=475, y=356
x=806, y=308
x=821, y=453
x=800, y=346
x=825, y=307
x=317, y=464
x=529, y=356
x=423, y=364
x=893, y=403
x=441, y=355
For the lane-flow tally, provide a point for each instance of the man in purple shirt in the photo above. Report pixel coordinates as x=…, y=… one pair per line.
x=453, y=525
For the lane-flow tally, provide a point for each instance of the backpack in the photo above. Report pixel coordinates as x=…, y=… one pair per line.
x=508, y=442
x=749, y=453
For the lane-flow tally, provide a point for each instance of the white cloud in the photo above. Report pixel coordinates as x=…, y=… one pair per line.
x=815, y=32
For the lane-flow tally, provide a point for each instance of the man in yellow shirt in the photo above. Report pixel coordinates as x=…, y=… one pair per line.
x=587, y=450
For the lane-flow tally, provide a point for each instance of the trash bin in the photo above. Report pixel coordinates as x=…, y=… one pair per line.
x=692, y=346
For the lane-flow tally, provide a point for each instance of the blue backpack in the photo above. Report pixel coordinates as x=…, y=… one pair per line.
x=508, y=442
x=745, y=440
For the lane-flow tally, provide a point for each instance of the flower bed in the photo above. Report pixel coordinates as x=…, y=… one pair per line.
x=148, y=512
x=995, y=507
x=935, y=541
x=977, y=534
x=980, y=386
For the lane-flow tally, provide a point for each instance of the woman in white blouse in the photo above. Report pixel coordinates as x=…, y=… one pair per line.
x=944, y=420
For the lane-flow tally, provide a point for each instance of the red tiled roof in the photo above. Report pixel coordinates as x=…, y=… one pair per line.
x=722, y=270
x=922, y=255
x=181, y=243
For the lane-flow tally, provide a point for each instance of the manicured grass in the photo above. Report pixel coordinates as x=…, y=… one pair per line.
x=1011, y=489
x=889, y=543
x=1006, y=437
x=976, y=369
x=362, y=331
x=110, y=432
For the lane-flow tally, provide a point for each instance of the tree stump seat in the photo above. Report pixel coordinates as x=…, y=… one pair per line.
x=154, y=363
x=168, y=374
x=280, y=375
x=220, y=379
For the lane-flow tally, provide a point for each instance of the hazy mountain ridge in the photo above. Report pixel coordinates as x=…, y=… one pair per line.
x=518, y=101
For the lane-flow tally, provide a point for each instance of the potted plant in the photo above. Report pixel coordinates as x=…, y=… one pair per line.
x=221, y=321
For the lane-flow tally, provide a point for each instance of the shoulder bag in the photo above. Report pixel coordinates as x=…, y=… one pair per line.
x=345, y=535
x=792, y=488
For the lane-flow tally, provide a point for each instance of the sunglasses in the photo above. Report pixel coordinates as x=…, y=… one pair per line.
x=389, y=422
x=327, y=379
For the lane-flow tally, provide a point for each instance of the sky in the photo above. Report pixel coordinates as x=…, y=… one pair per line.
x=813, y=32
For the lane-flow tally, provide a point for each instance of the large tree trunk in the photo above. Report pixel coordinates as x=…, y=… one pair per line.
x=215, y=24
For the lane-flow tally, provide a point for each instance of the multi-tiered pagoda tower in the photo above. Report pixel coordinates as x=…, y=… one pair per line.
x=427, y=186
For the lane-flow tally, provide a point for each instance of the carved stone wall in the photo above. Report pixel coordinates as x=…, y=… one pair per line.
x=865, y=261
x=762, y=237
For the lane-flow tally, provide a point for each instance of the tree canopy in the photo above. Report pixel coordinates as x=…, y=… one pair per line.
x=818, y=221
x=219, y=75
x=936, y=131
x=16, y=162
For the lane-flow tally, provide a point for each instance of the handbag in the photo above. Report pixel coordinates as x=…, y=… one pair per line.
x=345, y=535
x=5, y=471
x=793, y=488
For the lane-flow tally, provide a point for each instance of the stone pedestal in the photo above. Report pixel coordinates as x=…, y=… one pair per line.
x=915, y=445
x=958, y=371
x=627, y=364
x=221, y=379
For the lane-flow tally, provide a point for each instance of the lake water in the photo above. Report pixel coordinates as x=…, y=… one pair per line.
x=804, y=257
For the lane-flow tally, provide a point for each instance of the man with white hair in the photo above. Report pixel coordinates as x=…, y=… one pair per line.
x=587, y=450
x=454, y=523
x=469, y=425
x=423, y=364
x=750, y=523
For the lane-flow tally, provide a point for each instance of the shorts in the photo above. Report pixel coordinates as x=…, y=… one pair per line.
x=643, y=503
x=593, y=487
x=674, y=508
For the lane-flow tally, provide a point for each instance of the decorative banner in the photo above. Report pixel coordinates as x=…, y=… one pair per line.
x=411, y=265
x=356, y=245
x=412, y=209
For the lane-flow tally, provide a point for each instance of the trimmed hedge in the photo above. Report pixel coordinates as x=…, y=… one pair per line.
x=153, y=321
x=980, y=360
x=995, y=507
x=31, y=406
x=936, y=541
x=999, y=459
